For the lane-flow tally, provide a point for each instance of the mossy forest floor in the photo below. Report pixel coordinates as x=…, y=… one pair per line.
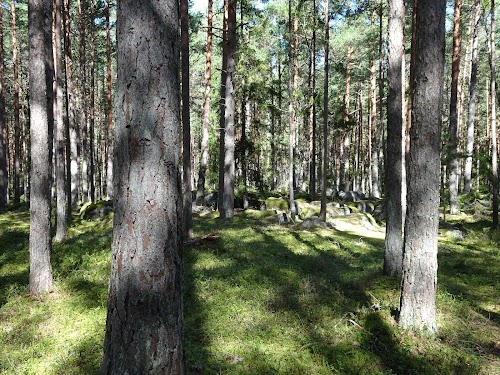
x=263, y=299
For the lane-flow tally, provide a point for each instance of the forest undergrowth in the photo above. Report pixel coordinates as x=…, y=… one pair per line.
x=263, y=299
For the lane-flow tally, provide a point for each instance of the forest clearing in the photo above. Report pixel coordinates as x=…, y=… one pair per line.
x=265, y=298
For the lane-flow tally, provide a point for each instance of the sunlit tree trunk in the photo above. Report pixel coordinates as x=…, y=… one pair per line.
x=471, y=115
x=40, y=83
x=206, y=110
x=4, y=175
x=453, y=165
x=75, y=163
x=17, y=124
x=346, y=140
x=395, y=163
x=493, y=118
x=109, y=106
x=222, y=105
x=59, y=129
x=144, y=320
x=375, y=182
x=324, y=155
x=312, y=113
x=418, y=286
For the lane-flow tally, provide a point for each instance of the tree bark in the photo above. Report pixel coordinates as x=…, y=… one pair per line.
x=15, y=97
x=453, y=166
x=324, y=154
x=40, y=83
x=292, y=107
x=375, y=181
x=75, y=162
x=346, y=142
x=312, y=114
x=418, y=286
x=109, y=106
x=200, y=195
x=144, y=320
x=186, y=126
x=60, y=131
x=493, y=119
x=4, y=174
x=222, y=104
x=395, y=163
x=471, y=115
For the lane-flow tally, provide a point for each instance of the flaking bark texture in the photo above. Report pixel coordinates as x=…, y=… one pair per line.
x=40, y=83
x=144, y=321
x=395, y=163
x=418, y=287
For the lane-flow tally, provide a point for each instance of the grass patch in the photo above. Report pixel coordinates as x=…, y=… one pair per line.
x=264, y=299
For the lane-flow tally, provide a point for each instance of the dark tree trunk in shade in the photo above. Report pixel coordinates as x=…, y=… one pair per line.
x=59, y=129
x=324, y=149
x=395, y=154
x=292, y=107
x=418, y=286
x=312, y=113
x=200, y=194
x=186, y=126
x=144, y=320
x=222, y=106
x=15, y=98
x=453, y=164
x=493, y=119
x=471, y=115
x=4, y=175
x=41, y=122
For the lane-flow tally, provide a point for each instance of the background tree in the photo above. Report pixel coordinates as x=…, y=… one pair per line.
x=418, y=287
x=144, y=322
x=4, y=176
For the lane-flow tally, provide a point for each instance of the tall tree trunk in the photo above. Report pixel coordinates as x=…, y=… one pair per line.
x=41, y=74
x=292, y=107
x=312, y=114
x=71, y=125
x=17, y=124
x=75, y=162
x=418, y=286
x=375, y=182
x=222, y=114
x=471, y=115
x=200, y=195
x=91, y=151
x=453, y=140
x=493, y=121
x=186, y=126
x=4, y=174
x=395, y=163
x=346, y=142
x=109, y=106
x=382, y=138
x=59, y=128
x=144, y=320
x=324, y=154
x=409, y=100
x=227, y=209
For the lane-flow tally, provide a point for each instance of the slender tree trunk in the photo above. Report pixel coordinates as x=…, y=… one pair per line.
x=222, y=115
x=293, y=85
x=395, y=163
x=4, y=174
x=60, y=131
x=409, y=105
x=382, y=138
x=472, y=97
x=144, y=321
x=75, y=162
x=493, y=121
x=375, y=182
x=227, y=211
x=273, y=133
x=312, y=114
x=324, y=155
x=344, y=147
x=453, y=140
x=186, y=126
x=70, y=121
x=109, y=106
x=40, y=82
x=17, y=124
x=200, y=195
x=418, y=286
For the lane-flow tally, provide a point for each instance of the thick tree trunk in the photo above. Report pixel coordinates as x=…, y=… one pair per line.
x=324, y=154
x=418, y=286
x=454, y=165
x=109, y=106
x=186, y=126
x=471, y=115
x=200, y=195
x=395, y=163
x=17, y=124
x=493, y=121
x=4, y=174
x=40, y=82
x=144, y=321
x=60, y=133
